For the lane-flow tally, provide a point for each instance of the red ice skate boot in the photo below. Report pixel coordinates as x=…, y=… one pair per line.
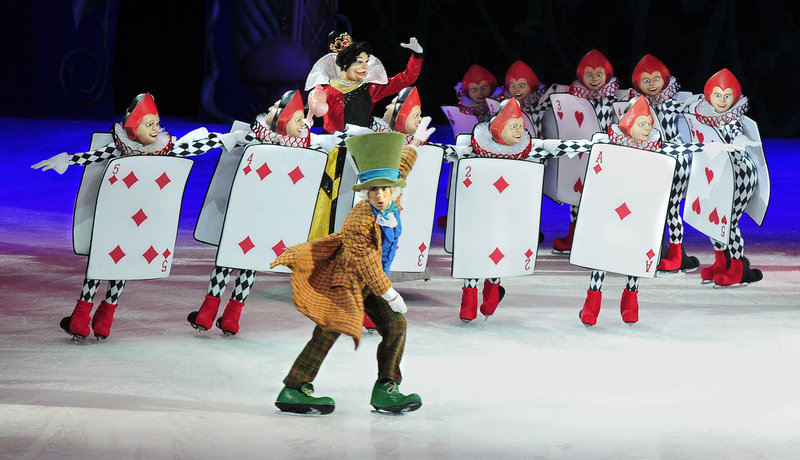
x=103, y=317
x=229, y=321
x=629, y=306
x=469, y=304
x=564, y=244
x=673, y=260
x=721, y=263
x=739, y=273
x=492, y=295
x=203, y=319
x=368, y=324
x=77, y=324
x=591, y=307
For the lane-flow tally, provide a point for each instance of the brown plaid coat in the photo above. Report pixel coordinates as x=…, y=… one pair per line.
x=330, y=273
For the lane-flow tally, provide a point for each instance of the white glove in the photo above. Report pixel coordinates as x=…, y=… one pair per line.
x=423, y=132
x=745, y=141
x=413, y=45
x=396, y=302
x=355, y=130
x=191, y=136
x=59, y=163
x=228, y=141
x=241, y=136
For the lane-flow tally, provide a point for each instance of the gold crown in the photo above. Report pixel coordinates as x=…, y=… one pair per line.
x=341, y=42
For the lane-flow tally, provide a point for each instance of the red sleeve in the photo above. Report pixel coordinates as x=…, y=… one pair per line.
x=333, y=120
x=402, y=80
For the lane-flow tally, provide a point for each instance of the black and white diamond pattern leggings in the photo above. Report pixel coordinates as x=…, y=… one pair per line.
x=596, y=281
x=90, y=287
x=744, y=185
x=242, y=287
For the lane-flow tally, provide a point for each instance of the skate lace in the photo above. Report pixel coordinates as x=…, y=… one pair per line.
x=307, y=389
x=392, y=388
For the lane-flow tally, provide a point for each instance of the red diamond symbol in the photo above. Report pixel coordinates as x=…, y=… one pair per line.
x=467, y=182
x=422, y=247
x=246, y=245
x=139, y=217
x=500, y=184
x=166, y=253
x=623, y=211
x=296, y=175
x=279, y=248
x=112, y=179
x=263, y=171
x=580, y=155
x=117, y=254
x=150, y=254
x=130, y=179
x=163, y=180
x=528, y=253
x=597, y=168
x=247, y=170
x=496, y=256
x=650, y=254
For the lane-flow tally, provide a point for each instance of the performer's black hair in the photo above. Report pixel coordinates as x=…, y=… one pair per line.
x=350, y=54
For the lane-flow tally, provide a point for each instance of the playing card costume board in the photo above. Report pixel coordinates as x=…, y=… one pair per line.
x=462, y=139
x=460, y=122
x=622, y=210
x=270, y=205
x=575, y=119
x=496, y=217
x=418, y=206
x=709, y=196
x=134, y=203
x=212, y=214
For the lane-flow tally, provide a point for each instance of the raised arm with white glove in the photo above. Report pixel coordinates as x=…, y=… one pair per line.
x=396, y=302
x=413, y=45
x=423, y=132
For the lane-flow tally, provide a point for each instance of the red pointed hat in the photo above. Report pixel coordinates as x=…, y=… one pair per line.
x=291, y=102
x=142, y=105
x=521, y=70
x=649, y=64
x=508, y=109
x=407, y=99
x=594, y=59
x=637, y=109
x=476, y=74
x=724, y=79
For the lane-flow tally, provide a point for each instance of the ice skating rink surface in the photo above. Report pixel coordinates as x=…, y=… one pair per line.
x=706, y=373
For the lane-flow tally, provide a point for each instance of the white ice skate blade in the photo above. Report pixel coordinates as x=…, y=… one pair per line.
x=560, y=253
x=310, y=413
x=719, y=286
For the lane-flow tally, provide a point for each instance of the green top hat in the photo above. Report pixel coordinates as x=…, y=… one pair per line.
x=377, y=157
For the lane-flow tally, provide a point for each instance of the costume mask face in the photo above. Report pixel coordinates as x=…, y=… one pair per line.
x=651, y=83
x=148, y=129
x=414, y=117
x=640, y=130
x=513, y=130
x=357, y=70
x=478, y=92
x=594, y=78
x=380, y=197
x=721, y=99
x=271, y=113
x=519, y=88
x=295, y=125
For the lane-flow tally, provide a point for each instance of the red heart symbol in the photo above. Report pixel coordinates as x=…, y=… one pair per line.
x=560, y=115
x=699, y=136
x=724, y=220
x=578, y=187
x=696, y=206
x=580, y=155
x=709, y=175
x=714, y=217
x=579, y=118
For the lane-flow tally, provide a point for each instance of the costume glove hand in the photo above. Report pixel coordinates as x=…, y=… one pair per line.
x=423, y=132
x=413, y=45
x=191, y=136
x=317, y=102
x=396, y=302
x=59, y=163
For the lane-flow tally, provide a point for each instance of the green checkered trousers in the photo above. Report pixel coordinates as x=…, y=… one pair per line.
x=390, y=325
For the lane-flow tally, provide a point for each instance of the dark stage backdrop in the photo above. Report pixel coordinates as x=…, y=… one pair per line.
x=223, y=59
